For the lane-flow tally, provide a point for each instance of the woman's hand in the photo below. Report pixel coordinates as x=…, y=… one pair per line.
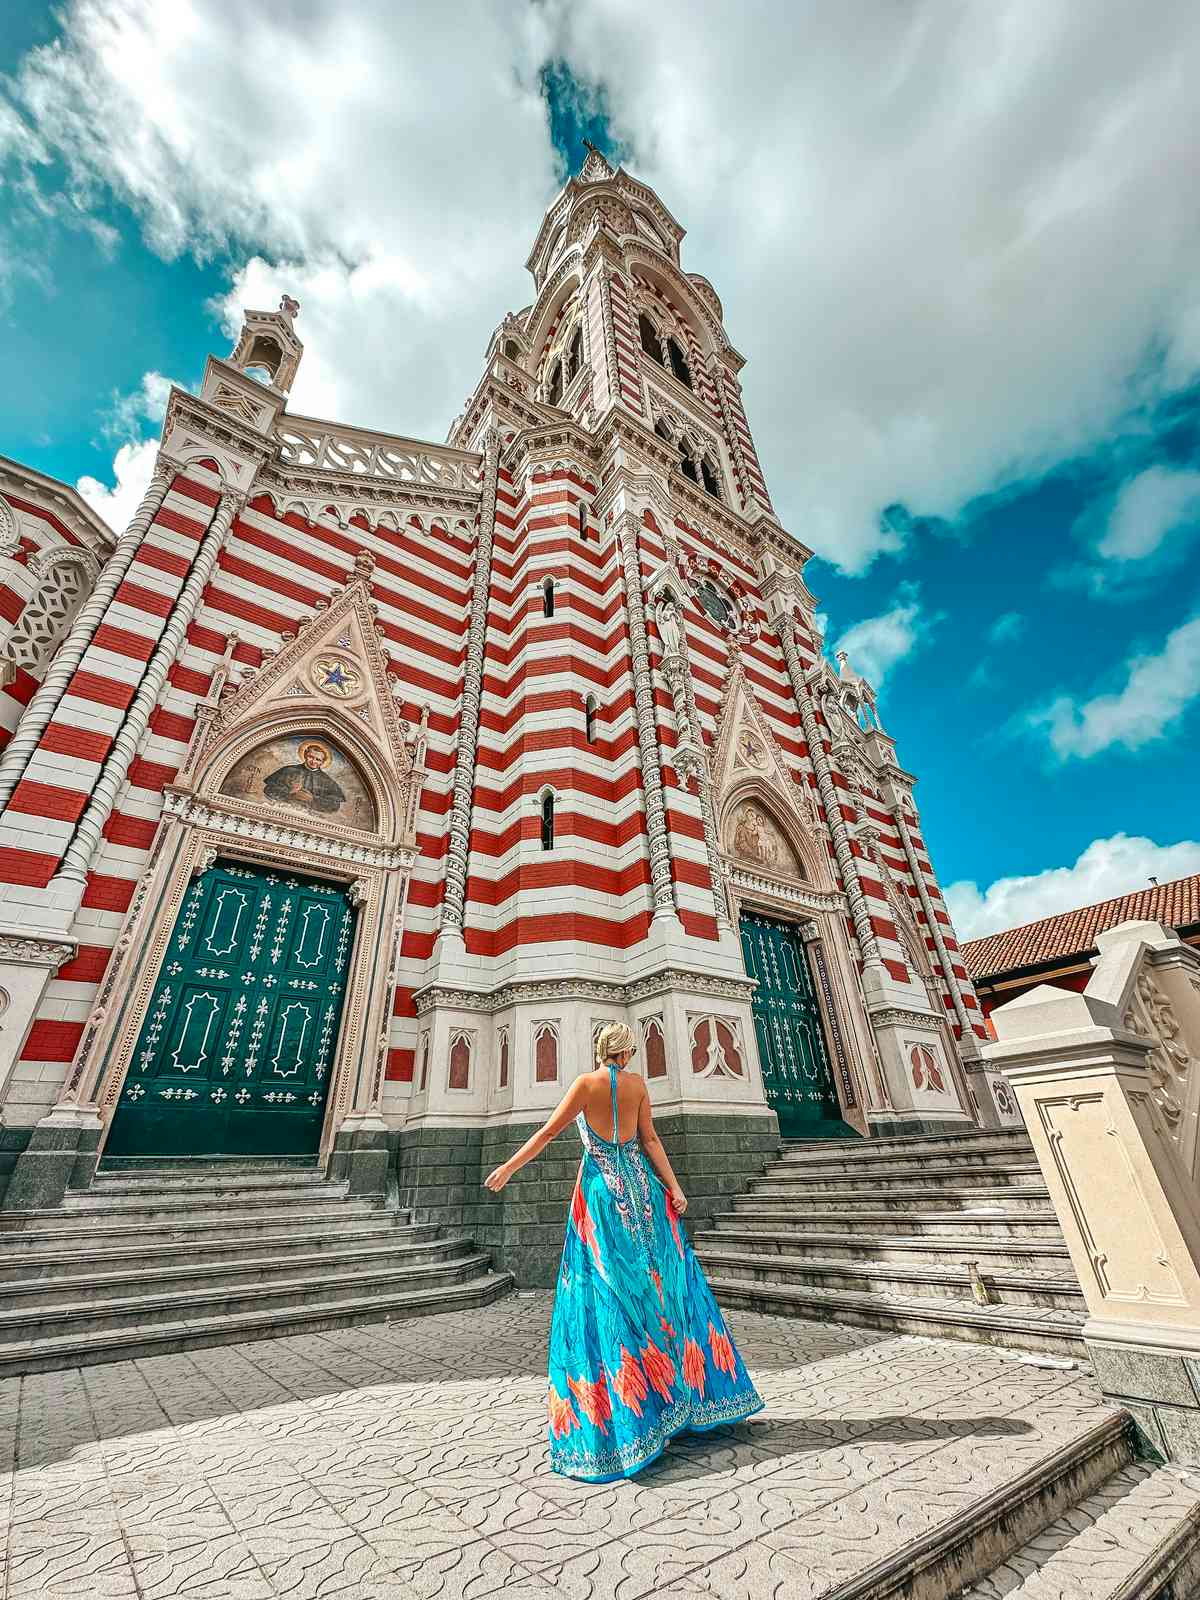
x=678, y=1200
x=496, y=1180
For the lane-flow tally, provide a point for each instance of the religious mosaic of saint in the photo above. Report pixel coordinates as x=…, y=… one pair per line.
x=303, y=774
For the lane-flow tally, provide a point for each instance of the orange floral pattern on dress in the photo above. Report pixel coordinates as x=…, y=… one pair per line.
x=693, y=1366
x=667, y=1330
x=659, y=1368
x=656, y=1278
x=561, y=1414
x=585, y=1224
x=591, y=1396
x=722, y=1350
x=629, y=1383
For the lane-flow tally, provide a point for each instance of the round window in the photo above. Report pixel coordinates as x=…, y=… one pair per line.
x=713, y=602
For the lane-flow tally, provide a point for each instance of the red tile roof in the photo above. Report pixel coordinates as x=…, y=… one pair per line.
x=1073, y=933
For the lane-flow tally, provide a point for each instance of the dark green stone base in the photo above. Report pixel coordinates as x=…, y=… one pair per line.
x=1161, y=1391
x=916, y=1127
x=12, y=1143
x=440, y=1173
x=53, y=1161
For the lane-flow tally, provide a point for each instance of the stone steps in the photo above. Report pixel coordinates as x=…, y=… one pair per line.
x=60, y=1287
x=956, y=1177
x=935, y=1281
x=982, y=1223
x=867, y=1199
x=159, y=1261
x=1014, y=1327
x=1136, y=1537
x=90, y=1349
x=880, y=1234
x=1035, y=1255
x=67, y=1263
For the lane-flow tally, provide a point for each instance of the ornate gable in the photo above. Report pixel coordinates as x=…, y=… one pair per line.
x=332, y=670
x=747, y=759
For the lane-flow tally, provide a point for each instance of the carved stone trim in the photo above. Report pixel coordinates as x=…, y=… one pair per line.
x=268, y=829
x=894, y=1017
x=536, y=992
x=30, y=951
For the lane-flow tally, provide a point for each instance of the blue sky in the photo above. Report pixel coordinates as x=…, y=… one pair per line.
x=986, y=427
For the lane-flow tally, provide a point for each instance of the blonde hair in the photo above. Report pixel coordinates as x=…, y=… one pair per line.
x=613, y=1038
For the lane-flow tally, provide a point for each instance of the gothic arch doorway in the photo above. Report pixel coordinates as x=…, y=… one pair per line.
x=236, y=1051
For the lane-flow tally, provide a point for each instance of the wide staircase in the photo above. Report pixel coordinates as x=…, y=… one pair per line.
x=908, y=1235
x=162, y=1260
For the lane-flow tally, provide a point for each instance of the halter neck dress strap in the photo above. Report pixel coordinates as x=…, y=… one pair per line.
x=612, y=1080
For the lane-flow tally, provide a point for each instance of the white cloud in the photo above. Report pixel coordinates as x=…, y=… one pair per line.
x=396, y=159
x=146, y=403
x=919, y=217
x=1008, y=626
x=1147, y=509
x=877, y=644
x=1108, y=867
x=947, y=237
x=1158, y=689
x=133, y=465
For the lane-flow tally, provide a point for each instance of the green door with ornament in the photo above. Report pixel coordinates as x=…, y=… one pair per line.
x=235, y=1054
x=797, y=1079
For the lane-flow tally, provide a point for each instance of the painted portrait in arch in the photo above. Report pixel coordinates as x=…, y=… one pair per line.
x=303, y=772
x=757, y=838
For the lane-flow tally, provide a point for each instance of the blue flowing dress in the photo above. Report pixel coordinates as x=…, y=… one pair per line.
x=638, y=1348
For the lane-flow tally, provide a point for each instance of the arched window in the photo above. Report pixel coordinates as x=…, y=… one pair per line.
x=714, y=603
x=688, y=465
x=548, y=598
x=651, y=343
x=548, y=820
x=663, y=429
x=589, y=719
x=512, y=349
x=554, y=393
x=48, y=615
x=575, y=353
x=584, y=530
x=709, y=478
x=679, y=364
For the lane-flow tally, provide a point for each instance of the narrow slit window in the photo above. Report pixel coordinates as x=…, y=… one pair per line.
x=688, y=464
x=575, y=354
x=589, y=718
x=584, y=530
x=548, y=598
x=710, y=479
x=651, y=343
x=548, y=820
x=554, y=394
x=679, y=364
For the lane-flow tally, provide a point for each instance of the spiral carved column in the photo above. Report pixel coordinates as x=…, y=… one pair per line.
x=44, y=703
x=82, y=849
x=454, y=897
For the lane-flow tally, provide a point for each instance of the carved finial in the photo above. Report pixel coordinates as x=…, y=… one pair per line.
x=364, y=564
x=288, y=306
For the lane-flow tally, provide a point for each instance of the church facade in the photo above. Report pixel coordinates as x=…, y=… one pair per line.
x=354, y=786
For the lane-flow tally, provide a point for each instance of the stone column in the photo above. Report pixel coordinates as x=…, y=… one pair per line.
x=643, y=688
x=77, y=861
x=1106, y=1080
x=70, y=653
x=454, y=894
x=970, y=1044
x=690, y=760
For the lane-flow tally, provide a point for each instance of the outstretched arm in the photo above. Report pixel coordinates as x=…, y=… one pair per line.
x=566, y=1111
x=656, y=1155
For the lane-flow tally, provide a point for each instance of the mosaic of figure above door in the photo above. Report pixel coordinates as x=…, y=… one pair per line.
x=797, y=1079
x=238, y=1045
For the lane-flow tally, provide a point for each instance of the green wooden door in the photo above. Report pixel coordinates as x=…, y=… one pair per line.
x=235, y=1054
x=791, y=1042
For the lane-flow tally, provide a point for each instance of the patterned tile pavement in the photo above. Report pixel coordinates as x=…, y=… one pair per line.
x=407, y=1461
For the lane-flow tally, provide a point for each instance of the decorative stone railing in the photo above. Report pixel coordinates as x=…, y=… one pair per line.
x=1109, y=1084
x=317, y=446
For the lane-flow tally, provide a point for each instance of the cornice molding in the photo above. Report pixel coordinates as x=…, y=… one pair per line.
x=540, y=991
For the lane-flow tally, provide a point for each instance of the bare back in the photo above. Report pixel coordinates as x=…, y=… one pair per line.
x=597, y=1102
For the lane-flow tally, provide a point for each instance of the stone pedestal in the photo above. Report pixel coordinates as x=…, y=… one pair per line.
x=361, y=1155
x=1105, y=1079
x=60, y=1155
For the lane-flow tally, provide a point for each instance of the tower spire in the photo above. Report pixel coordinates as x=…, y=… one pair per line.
x=596, y=168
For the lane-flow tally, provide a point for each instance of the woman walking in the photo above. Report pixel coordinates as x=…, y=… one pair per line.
x=638, y=1349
